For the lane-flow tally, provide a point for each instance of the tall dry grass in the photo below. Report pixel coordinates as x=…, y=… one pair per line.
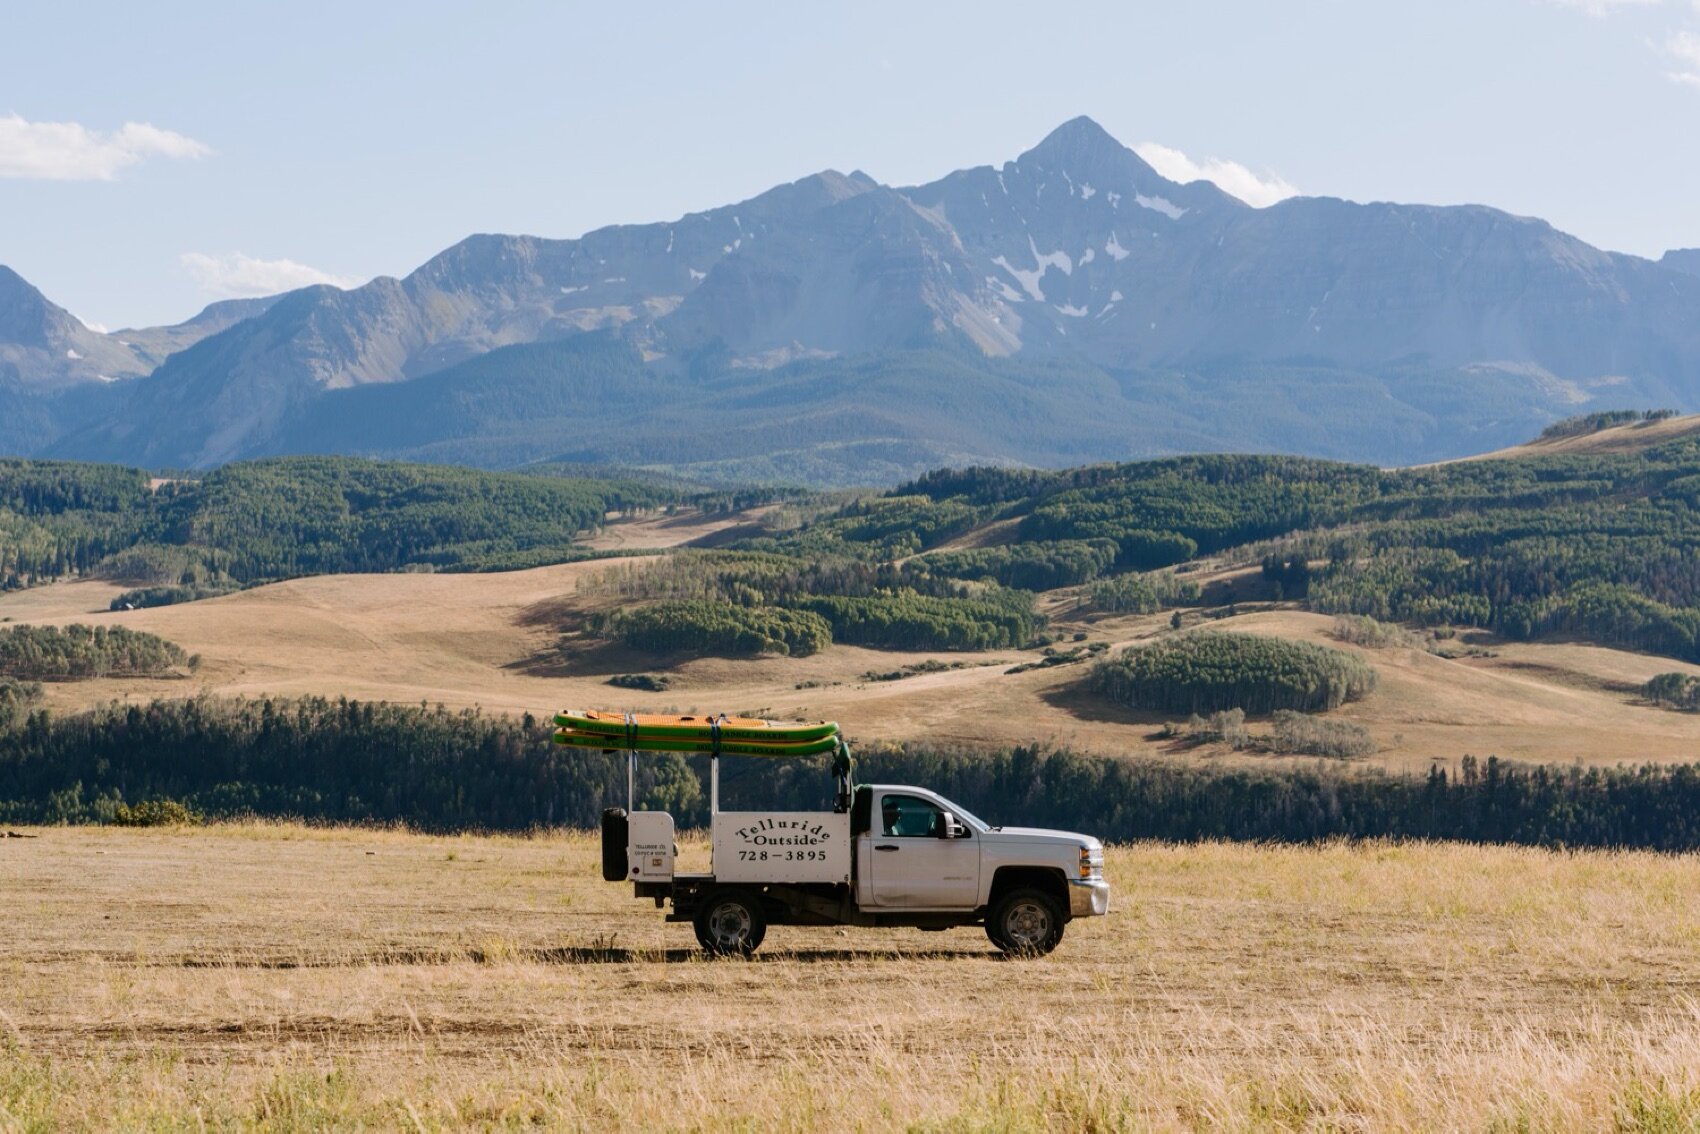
x=278, y=977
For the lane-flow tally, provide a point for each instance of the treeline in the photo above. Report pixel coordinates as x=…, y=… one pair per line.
x=1041, y=566
x=907, y=620
x=722, y=629
x=724, y=602
x=1674, y=691
x=144, y=597
x=70, y=653
x=1143, y=592
x=1583, y=424
x=1206, y=671
x=438, y=769
x=259, y=520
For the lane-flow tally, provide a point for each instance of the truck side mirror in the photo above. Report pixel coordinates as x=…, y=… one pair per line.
x=953, y=828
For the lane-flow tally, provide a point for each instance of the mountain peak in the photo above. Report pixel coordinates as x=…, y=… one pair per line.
x=1683, y=260
x=1081, y=147
x=12, y=285
x=1078, y=138
x=1081, y=128
x=26, y=316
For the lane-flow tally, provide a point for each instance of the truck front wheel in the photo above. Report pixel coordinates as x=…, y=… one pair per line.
x=731, y=923
x=1025, y=923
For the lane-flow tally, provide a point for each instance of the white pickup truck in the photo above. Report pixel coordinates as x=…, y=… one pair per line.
x=886, y=856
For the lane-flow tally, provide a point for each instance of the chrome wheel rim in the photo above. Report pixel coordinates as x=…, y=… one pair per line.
x=1027, y=925
x=729, y=926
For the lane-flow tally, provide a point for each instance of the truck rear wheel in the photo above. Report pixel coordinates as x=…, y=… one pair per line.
x=1025, y=923
x=731, y=923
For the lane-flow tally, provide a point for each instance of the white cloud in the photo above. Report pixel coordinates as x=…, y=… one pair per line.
x=70, y=151
x=1602, y=8
x=237, y=276
x=1684, y=47
x=1229, y=176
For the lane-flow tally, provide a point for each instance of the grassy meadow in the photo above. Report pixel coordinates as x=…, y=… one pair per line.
x=284, y=977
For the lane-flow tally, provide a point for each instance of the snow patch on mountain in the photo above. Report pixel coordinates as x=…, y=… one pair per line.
x=1029, y=277
x=1160, y=205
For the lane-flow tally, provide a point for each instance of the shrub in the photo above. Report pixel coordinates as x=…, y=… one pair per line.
x=154, y=813
x=1226, y=726
x=647, y=682
x=1301, y=735
x=1206, y=671
x=1362, y=630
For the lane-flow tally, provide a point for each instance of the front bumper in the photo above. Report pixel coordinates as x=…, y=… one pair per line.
x=1088, y=897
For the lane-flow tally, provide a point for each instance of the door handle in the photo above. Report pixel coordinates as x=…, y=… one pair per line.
x=887, y=846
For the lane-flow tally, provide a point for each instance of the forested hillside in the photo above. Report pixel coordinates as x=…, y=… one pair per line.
x=260, y=520
x=1604, y=547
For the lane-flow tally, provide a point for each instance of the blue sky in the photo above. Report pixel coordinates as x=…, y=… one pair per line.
x=151, y=161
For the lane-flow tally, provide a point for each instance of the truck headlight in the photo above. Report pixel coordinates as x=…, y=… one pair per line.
x=1091, y=863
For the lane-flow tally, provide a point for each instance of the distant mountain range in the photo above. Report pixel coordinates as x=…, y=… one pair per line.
x=1069, y=306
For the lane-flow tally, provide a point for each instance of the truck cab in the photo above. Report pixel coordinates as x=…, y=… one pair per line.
x=916, y=850
x=897, y=855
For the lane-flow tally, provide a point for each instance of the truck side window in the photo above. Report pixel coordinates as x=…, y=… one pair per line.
x=904, y=816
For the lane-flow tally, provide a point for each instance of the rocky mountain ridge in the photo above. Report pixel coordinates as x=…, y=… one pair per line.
x=1163, y=316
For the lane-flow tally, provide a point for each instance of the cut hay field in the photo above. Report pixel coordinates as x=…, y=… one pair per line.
x=490, y=640
x=289, y=978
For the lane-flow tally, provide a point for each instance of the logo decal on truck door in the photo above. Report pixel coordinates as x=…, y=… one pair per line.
x=784, y=833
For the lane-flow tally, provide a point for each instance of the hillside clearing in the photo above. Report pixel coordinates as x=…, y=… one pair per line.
x=291, y=977
x=489, y=640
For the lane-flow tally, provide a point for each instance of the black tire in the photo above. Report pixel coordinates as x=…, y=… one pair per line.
x=730, y=923
x=1025, y=923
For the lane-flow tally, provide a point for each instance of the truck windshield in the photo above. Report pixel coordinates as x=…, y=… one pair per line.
x=965, y=815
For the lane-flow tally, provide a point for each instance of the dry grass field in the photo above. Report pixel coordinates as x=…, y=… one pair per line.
x=490, y=639
x=281, y=977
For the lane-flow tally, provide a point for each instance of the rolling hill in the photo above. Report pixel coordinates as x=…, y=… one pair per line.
x=493, y=640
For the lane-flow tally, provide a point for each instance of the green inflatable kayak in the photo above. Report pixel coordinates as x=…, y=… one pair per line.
x=658, y=727
x=574, y=738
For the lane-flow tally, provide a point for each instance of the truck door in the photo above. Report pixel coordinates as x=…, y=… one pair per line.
x=911, y=865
